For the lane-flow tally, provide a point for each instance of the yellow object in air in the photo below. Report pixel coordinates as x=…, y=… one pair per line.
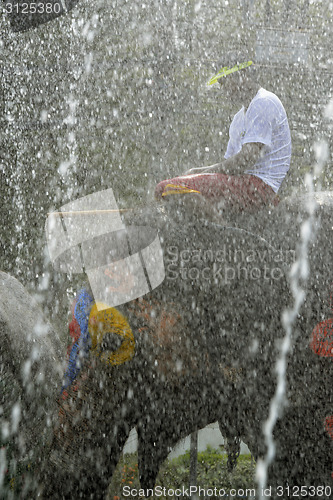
x=176, y=189
x=227, y=71
x=110, y=321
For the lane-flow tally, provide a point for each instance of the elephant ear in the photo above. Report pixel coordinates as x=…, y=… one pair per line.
x=25, y=15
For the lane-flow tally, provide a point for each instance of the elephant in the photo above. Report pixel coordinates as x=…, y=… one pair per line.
x=200, y=348
x=31, y=369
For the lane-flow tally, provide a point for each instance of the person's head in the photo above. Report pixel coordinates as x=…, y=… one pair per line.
x=235, y=73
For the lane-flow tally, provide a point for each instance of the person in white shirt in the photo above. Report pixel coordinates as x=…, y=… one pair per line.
x=258, y=152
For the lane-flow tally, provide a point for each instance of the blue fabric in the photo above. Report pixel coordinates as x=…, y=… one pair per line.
x=81, y=348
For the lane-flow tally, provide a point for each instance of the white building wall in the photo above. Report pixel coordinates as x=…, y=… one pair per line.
x=209, y=436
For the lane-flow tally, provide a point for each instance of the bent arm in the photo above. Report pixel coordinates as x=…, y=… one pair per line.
x=236, y=164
